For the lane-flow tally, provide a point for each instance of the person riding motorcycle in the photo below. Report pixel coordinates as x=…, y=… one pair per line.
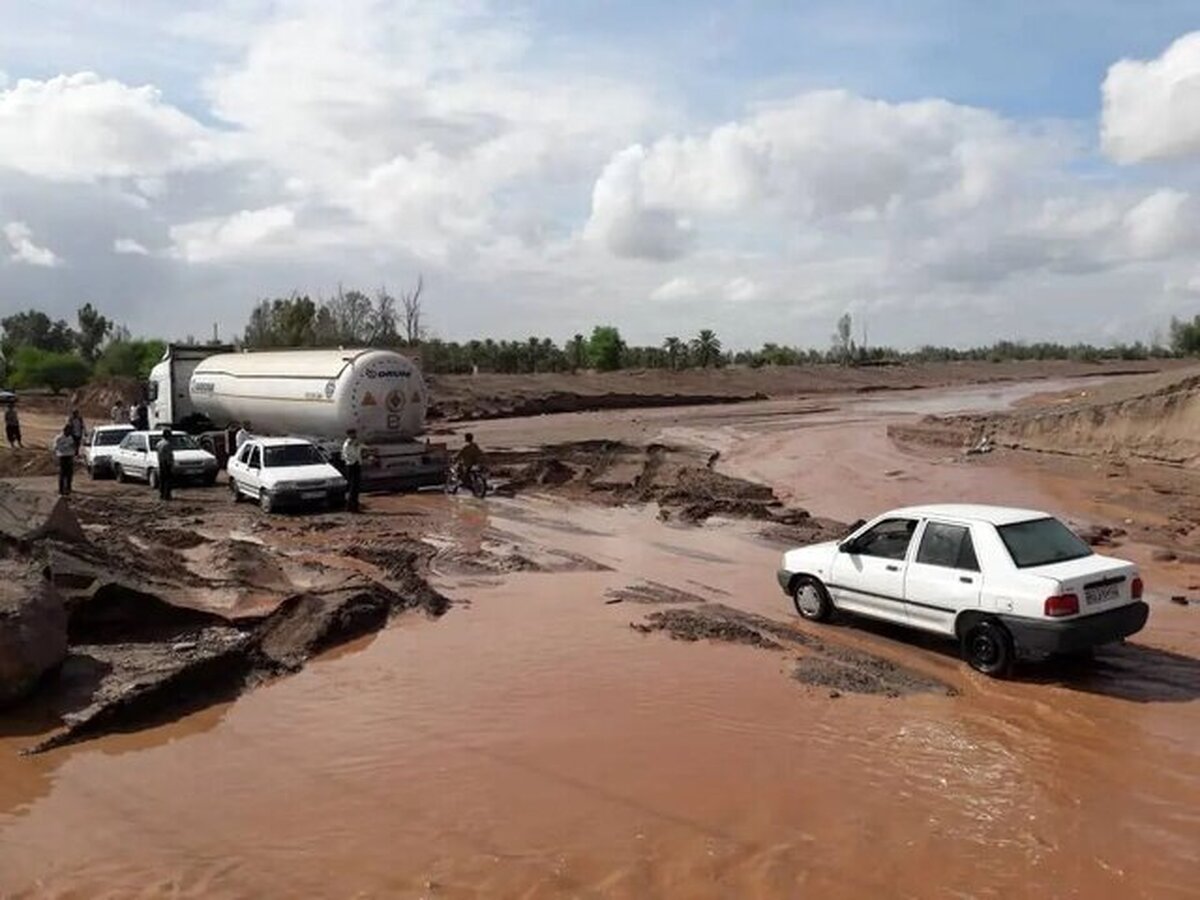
x=469, y=457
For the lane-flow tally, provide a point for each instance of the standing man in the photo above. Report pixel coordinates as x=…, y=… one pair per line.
x=12, y=425
x=166, y=461
x=352, y=459
x=64, y=452
x=243, y=435
x=141, y=416
x=120, y=413
x=77, y=429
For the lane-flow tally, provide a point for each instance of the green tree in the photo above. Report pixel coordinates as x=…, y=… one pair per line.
x=35, y=329
x=93, y=329
x=707, y=348
x=1185, y=336
x=129, y=358
x=577, y=353
x=843, y=343
x=34, y=367
x=605, y=347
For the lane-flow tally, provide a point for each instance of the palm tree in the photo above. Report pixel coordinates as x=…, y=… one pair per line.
x=707, y=347
x=675, y=351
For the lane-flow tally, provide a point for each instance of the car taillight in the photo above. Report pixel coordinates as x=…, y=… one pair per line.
x=1136, y=587
x=1062, y=605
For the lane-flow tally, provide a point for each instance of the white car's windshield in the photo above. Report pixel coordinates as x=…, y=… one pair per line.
x=109, y=438
x=292, y=455
x=1041, y=542
x=179, y=442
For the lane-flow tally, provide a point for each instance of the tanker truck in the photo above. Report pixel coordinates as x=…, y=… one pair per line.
x=315, y=394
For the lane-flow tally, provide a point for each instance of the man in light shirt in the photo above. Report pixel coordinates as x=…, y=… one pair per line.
x=120, y=413
x=352, y=459
x=243, y=435
x=64, y=452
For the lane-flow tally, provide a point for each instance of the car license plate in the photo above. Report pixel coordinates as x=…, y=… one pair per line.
x=1102, y=594
x=312, y=495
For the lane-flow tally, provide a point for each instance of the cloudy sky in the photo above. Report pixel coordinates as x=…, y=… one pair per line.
x=948, y=172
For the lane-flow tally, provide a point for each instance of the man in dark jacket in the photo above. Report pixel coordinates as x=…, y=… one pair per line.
x=166, y=461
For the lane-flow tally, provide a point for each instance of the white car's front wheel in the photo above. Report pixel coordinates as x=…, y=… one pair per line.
x=811, y=599
x=233, y=489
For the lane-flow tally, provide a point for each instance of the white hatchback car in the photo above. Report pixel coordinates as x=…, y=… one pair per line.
x=101, y=444
x=282, y=471
x=137, y=457
x=1004, y=582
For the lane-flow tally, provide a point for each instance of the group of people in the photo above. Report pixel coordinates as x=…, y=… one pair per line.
x=68, y=442
x=137, y=415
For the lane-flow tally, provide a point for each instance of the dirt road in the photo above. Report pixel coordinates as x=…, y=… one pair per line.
x=531, y=743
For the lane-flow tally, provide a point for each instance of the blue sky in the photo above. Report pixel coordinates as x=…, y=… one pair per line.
x=1025, y=170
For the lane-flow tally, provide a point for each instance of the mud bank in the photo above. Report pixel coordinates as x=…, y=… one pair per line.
x=814, y=662
x=1155, y=423
x=161, y=621
x=682, y=481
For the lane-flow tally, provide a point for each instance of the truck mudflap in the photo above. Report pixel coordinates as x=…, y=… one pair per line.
x=1042, y=637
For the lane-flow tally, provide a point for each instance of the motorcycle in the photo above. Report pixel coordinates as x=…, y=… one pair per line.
x=474, y=479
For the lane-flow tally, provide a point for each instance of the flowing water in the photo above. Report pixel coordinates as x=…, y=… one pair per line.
x=530, y=743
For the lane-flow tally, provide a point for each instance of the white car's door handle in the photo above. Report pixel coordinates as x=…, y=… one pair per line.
x=965, y=580
x=891, y=568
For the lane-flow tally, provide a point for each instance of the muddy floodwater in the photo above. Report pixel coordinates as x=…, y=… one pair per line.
x=531, y=743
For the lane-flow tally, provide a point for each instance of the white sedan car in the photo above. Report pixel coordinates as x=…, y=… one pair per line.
x=280, y=471
x=1004, y=582
x=136, y=457
x=100, y=446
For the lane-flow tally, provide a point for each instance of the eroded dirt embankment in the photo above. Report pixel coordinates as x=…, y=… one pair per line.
x=162, y=620
x=1154, y=422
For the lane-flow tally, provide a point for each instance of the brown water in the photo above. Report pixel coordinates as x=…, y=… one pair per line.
x=531, y=744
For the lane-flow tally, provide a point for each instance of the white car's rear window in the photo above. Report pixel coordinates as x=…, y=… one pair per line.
x=1041, y=542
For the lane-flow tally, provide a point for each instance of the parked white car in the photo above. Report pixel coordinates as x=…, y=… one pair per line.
x=100, y=446
x=281, y=471
x=136, y=457
x=1004, y=582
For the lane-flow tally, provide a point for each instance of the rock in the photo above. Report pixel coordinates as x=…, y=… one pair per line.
x=33, y=630
x=1164, y=555
x=26, y=517
x=1182, y=601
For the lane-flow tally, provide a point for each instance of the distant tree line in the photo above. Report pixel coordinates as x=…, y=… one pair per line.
x=40, y=352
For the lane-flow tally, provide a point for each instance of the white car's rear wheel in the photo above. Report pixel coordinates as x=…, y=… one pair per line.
x=811, y=599
x=265, y=501
x=988, y=648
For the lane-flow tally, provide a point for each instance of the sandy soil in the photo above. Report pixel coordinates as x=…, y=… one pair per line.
x=530, y=742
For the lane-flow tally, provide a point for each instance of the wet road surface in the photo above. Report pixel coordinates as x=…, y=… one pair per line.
x=530, y=743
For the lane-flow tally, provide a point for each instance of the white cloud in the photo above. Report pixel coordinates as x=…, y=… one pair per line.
x=821, y=156
x=677, y=288
x=248, y=232
x=1164, y=222
x=742, y=290
x=129, y=246
x=24, y=250
x=82, y=127
x=1152, y=108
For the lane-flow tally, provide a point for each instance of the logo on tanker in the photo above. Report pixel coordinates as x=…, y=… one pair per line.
x=395, y=401
x=330, y=387
x=386, y=373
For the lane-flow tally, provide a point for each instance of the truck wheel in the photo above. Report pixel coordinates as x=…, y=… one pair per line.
x=811, y=599
x=988, y=648
x=233, y=489
x=265, y=501
x=210, y=480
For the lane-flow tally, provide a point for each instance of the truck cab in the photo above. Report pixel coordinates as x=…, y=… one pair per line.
x=168, y=391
